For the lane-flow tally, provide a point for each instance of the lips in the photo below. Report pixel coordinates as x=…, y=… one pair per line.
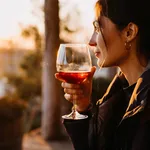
x=97, y=54
x=96, y=51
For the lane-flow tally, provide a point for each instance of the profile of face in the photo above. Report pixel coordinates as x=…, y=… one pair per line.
x=109, y=43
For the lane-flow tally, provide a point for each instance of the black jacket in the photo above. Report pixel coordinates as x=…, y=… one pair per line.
x=116, y=123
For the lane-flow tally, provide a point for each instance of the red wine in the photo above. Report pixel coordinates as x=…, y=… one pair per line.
x=74, y=77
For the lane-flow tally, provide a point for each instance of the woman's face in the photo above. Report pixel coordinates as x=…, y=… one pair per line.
x=108, y=43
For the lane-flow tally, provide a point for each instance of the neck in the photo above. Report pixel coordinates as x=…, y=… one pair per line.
x=133, y=69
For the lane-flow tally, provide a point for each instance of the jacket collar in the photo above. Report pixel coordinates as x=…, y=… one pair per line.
x=114, y=86
x=138, y=98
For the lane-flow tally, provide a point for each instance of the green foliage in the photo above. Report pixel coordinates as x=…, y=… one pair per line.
x=28, y=85
x=32, y=31
x=31, y=65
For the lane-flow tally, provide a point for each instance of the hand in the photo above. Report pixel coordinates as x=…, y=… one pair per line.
x=80, y=93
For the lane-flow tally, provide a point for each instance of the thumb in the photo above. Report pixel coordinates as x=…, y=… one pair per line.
x=93, y=69
x=57, y=76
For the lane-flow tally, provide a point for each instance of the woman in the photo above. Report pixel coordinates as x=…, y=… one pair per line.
x=121, y=118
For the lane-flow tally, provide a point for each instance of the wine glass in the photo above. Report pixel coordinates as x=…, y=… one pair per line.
x=73, y=65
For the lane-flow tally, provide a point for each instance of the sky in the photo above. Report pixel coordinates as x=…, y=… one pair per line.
x=15, y=14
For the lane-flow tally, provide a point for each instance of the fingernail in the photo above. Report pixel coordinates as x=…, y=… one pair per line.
x=62, y=84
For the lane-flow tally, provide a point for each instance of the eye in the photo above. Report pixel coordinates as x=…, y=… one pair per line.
x=96, y=26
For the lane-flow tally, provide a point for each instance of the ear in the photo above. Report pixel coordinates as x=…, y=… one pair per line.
x=131, y=32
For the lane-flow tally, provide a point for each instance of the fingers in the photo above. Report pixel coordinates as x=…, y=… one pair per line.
x=69, y=85
x=73, y=97
x=73, y=91
x=57, y=76
x=78, y=93
x=93, y=69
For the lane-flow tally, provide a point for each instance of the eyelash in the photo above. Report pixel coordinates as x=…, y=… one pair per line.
x=98, y=29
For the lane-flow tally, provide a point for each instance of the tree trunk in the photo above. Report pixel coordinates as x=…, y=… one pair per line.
x=51, y=124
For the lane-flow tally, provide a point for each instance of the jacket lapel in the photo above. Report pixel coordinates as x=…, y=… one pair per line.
x=139, y=96
x=115, y=86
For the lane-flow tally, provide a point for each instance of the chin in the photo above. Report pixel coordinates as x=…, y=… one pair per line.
x=100, y=63
x=104, y=64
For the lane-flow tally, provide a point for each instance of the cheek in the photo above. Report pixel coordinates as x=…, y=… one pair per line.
x=115, y=49
x=116, y=54
x=114, y=42
x=100, y=41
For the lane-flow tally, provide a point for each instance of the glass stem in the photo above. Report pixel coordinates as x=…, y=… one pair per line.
x=74, y=109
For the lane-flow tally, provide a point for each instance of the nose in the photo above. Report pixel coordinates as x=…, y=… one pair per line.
x=92, y=41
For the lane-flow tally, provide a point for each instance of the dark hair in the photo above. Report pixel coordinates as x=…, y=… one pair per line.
x=122, y=12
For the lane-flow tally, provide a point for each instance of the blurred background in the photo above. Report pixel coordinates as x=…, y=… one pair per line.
x=31, y=99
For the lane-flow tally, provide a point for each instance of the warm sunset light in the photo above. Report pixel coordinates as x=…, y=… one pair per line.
x=17, y=13
x=13, y=13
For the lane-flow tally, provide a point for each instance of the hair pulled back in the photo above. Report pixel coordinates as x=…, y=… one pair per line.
x=122, y=12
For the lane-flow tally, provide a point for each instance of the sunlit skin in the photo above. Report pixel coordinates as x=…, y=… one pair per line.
x=15, y=15
x=112, y=52
x=130, y=61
